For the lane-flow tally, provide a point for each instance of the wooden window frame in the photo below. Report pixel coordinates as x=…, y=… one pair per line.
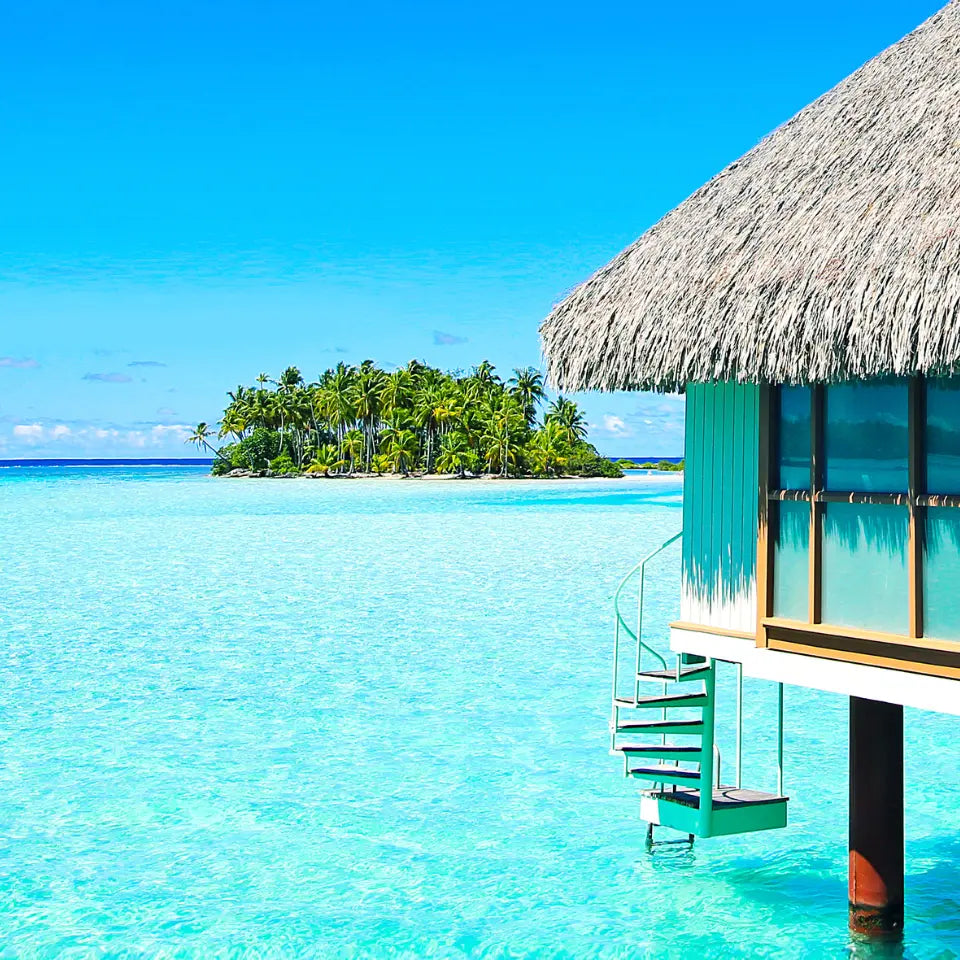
x=911, y=651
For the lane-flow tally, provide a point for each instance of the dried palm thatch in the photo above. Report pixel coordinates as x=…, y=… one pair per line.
x=830, y=251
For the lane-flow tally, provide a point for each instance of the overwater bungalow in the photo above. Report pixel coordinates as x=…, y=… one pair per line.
x=806, y=301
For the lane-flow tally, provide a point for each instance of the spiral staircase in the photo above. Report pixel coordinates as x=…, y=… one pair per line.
x=662, y=725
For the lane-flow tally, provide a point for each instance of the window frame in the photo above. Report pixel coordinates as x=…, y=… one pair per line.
x=910, y=651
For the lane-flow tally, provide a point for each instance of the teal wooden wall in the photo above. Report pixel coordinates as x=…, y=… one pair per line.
x=720, y=505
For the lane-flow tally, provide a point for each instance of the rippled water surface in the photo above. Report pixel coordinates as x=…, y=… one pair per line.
x=335, y=719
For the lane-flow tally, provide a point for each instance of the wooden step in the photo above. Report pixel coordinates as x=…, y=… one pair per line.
x=663, y=751
x=664, y=700
x=686, y=673
x=691, y=728
x=664, y=774
x=724, y=797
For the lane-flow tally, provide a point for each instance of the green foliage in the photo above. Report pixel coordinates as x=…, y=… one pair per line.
x=586, y=462
x=550, y=450
x=224, y=463
x=326, y=460
x=257, y=450
x=283, y=464
x=417, y=418
x=456, y=455
x=380, y=464
x=662, y=465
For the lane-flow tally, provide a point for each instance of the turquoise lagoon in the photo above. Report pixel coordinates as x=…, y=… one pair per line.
x=369, y=719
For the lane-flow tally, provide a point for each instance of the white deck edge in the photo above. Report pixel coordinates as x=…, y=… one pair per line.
x=937, y=694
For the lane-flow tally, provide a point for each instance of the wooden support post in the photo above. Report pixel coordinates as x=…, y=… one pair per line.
x=876, y=818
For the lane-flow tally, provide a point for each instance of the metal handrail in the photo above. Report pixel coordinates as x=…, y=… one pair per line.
x=616, y=597
x=620, y=622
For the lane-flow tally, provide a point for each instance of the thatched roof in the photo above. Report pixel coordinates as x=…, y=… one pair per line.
x=831, y=250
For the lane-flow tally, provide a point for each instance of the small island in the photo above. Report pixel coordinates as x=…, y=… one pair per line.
x=413, y=421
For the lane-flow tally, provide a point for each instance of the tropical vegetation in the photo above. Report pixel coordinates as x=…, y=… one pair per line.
x=664, y=465
x=416, y=419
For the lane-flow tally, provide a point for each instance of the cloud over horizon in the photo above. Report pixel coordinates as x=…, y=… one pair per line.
x=19, y=363
x=442, y=339
x=108, y=377
x=96, y=438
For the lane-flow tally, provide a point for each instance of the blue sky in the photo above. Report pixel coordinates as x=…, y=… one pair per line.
x=191, y=193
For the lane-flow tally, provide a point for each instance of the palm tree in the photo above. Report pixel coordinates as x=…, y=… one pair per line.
x=290, y=378
x=237, y=414
x=483, y=374
x=334, y=400
x=455, y=454
x=403, y=452
x=351, y=449
x=527, y=386
x=569, y=416
x=503, y=434
x=201, y=438
x=429, y=401
x=397, y=390
x=548, y=449
x=367, y=388
x=325, y=460
x=232, y=423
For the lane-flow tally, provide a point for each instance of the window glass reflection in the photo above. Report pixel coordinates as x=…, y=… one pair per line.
x=943, y=436
x=941, y=574
x=791, y=570
x=794, y=436
x=866, y=437
x=864, y=572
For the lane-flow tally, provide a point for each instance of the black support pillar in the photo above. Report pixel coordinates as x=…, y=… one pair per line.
x=876, y=818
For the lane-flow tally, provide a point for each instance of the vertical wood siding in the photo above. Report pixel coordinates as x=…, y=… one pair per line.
x=720, y=506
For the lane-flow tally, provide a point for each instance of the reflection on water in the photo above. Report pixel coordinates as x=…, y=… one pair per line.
x=862, y=948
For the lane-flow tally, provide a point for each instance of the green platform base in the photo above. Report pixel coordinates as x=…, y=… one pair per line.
x=734, y=811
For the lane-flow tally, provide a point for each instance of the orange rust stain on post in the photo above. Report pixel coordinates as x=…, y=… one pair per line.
x=876, y=818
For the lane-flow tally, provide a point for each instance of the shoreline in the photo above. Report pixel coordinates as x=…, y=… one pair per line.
x=442, y=477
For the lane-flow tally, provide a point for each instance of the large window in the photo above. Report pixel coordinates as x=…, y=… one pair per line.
x=863, y=508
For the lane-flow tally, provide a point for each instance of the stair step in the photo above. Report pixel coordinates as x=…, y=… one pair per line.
x=723, y=797
x=664, y=700
x=686, y=727
x=664, y=774
x=686, y=673
x=663, y=751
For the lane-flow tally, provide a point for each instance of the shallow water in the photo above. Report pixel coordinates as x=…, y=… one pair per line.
x=313, y=718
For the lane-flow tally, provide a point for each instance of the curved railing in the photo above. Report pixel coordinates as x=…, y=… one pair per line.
x=621, y=623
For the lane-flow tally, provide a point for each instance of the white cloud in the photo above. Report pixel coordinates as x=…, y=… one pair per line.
x=170, y=431
x=30, y=432
x=615, y=426
x=94, y=440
